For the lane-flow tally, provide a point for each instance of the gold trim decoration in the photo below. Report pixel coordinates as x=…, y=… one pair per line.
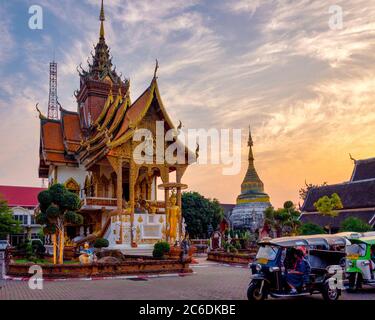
x=253, y=200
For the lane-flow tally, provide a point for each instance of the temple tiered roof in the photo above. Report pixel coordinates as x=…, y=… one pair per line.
x=364, y=170
x=64, y=141
x=106, y=117
x=357, y=197
x=101, y=66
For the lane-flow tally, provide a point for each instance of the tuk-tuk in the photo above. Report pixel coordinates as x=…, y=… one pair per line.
x=270, y=268
x=360, y=267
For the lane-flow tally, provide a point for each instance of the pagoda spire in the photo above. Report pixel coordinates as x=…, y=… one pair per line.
x=102, y=19
x=251, y=181
x=250, y=144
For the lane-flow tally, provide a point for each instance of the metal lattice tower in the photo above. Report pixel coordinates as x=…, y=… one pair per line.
x=53, y=104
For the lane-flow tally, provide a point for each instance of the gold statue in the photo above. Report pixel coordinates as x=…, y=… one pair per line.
x=174, y=215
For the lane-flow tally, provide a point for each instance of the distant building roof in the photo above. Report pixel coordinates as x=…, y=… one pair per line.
x=227, y=209
x=316, y=218
x=354, y=195
x=20, y=196
x=364, y=170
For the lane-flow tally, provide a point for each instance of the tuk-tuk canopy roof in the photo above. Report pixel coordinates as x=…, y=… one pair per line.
x=369, y=234
x=350, y=235
x=367, y=240
x=313, y=240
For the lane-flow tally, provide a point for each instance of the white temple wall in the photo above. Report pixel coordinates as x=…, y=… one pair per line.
x=64, y=173
x=147, y=227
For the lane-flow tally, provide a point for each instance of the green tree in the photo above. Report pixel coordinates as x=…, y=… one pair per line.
x=199, y=213
x=283, y=220
x=292, y=222
x=8, y=225
x=311, y=229
x=327, y=206
x=271, y=222
x=353, y=224
x=58, y=207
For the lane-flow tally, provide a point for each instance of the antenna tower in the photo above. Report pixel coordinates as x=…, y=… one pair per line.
x=53, y=104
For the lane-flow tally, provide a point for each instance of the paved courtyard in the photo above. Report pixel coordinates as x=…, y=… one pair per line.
x=210, y=281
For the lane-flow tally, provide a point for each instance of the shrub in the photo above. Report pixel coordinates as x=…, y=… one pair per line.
x=101, y=243
x=161, y=249
x=232, y=249
x=226, y=246
x=353, y=224
x=38, y=248
x=238, y=245
x=311, y=229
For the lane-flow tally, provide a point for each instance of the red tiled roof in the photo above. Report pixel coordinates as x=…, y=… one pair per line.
x=20, y=196
x=52, y=136
x=71, y=126
x=134, y=111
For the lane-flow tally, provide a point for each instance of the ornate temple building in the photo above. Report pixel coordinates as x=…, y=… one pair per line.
x=248, y=214
x=357, y=197
x=91, y=152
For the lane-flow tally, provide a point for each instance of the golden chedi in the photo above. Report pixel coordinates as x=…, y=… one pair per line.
x=248, y=214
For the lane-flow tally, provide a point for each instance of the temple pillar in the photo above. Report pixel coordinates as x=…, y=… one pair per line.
x=164, y=172
x=149, y=188
x=119, y=191
x=133, y=175
x=180, y=171
x=154, y=189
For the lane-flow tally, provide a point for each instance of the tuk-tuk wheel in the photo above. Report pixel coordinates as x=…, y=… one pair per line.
x=254, y=292
x=330, y=294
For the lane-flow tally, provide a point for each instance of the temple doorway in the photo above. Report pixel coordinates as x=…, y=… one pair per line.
x=126, y=191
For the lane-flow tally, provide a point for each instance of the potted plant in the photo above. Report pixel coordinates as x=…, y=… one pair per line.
x=101, y=243
x=161, y=249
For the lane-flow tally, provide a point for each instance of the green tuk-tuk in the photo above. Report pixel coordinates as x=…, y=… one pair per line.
x=360, y=267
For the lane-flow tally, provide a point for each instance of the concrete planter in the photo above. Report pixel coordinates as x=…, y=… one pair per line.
x=131, y=267
x=224, y=257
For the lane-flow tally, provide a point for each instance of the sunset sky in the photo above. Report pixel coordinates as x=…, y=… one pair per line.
x=307, y=90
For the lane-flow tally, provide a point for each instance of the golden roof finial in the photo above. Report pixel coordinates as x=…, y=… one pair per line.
x=41, y=115
x=156, y=68
x=102, y=19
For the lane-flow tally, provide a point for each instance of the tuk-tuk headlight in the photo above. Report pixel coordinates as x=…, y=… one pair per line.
x=258, y=267
x=350, y=264
x=274, y=269
x=365, y=263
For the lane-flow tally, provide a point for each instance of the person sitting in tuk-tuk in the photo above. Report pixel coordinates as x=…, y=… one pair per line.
x=373, y=253
x=372, y=266
x=295, y=275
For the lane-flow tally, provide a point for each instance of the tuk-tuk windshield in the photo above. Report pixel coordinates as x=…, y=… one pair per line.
x=267, y=252
x=356, y=249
